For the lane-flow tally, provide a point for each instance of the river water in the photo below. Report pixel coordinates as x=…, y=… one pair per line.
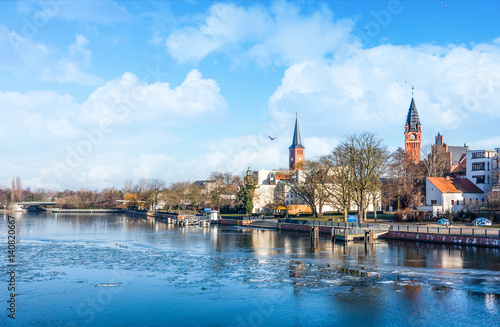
x=114, y=270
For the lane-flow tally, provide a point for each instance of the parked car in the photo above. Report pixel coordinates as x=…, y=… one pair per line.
x=443, y=221
x=481, y=222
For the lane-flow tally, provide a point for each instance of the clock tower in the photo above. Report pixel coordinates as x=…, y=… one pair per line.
x=296, y=150
x=412, y=134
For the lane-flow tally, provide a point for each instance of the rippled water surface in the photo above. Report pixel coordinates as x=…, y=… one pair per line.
x=83, y=270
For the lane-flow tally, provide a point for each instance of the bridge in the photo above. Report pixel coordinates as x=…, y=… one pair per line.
x=35, y=203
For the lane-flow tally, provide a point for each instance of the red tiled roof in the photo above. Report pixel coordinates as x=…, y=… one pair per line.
x=454, y=185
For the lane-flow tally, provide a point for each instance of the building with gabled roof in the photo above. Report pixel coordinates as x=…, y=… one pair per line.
x=445, y=194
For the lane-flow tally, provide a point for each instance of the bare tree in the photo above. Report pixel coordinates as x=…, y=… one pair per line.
x=436, y=162
x=338, y=187
x=155, y=186
x=366, y=158
x=110, y=196
x=406, y=179
x=180, y=193
x=309, y=185
x=221, y=188
x=195, y=196
x=128, y=187
x=17, y=189
x=279, y=199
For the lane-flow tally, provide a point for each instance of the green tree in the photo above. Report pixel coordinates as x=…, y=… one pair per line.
x=245, y=194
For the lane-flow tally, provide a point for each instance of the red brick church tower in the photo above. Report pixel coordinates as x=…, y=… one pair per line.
x=296, y=154
x=412, y=134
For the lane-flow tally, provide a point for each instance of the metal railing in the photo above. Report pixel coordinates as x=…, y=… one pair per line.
x=331, y=224
x=460, y=231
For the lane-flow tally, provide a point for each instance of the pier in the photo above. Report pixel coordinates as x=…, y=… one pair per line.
x=180, y=220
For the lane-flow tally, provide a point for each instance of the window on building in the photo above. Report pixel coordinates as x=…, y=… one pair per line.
x=476, y=155
x=488, y=166
x=479, y=179
x=458, y=202
x=452, y=202
x=433, y=202
x=477, y=166
x=482, y=200
x=477, y=201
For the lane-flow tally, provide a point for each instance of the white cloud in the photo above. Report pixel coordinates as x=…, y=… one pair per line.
x=27, y=58
x=371, y=90
x=78, y=49
x=102, y=12
x=152, y=165
x=128, y=99
x=63, y=142
x=279, y=35
x=41, y=114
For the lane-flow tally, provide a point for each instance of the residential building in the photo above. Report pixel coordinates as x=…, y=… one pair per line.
x=445, y=194
x=456, y=156
x=480, y=166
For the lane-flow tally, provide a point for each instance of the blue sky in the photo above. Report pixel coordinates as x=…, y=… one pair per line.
x=94, y=93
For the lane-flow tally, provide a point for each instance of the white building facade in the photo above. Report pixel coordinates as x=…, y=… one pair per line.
x=480, y=167
x=444, y=194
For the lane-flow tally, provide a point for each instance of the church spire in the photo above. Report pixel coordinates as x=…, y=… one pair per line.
x=296, y=142
x=412, y=120
x=296, y=158
x=413, y=133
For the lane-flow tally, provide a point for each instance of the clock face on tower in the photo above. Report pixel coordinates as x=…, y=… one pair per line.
x=412, y=136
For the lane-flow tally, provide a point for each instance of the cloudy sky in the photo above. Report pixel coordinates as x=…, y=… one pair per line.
x=94, y=93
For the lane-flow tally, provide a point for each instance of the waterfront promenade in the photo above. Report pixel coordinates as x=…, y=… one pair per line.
x=466, y=235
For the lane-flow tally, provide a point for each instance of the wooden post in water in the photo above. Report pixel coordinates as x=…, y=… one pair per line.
x=346, y=235
x=314, y=236
x=333, y=234
x=368, y=236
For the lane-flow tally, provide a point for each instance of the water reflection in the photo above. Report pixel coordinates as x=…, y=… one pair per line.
x=229, y=269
